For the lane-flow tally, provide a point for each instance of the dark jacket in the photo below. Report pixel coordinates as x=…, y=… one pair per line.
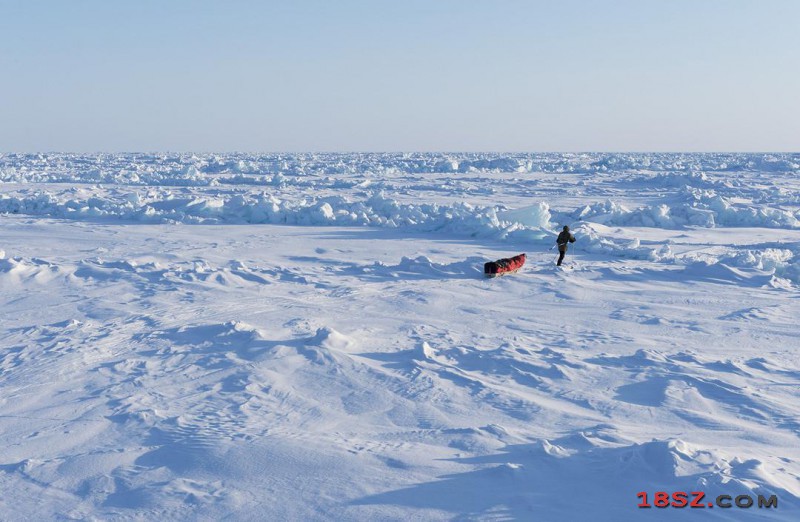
x=562, y=240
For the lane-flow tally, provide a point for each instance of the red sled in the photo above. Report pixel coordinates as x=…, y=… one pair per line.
x=503, y=266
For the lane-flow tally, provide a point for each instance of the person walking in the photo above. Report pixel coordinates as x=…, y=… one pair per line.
x=562, y=240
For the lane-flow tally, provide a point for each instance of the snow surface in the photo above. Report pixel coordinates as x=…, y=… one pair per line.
x=169, y=352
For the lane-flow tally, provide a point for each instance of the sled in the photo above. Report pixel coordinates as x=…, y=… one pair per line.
x=500, y=274
x=503, y=266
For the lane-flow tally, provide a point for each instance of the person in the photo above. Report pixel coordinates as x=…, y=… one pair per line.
x=563, y=238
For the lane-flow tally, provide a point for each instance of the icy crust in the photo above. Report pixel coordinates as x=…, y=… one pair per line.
x=205, y=169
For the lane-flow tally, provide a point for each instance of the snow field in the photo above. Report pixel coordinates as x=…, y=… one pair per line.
x=202, y=363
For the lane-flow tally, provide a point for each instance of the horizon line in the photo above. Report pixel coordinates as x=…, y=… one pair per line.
x=385, y=152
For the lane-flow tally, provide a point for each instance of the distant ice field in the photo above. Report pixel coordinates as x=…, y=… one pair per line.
x=310, y=337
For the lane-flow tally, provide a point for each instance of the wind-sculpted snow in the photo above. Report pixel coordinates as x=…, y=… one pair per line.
x=311, y=336
x=424, y=268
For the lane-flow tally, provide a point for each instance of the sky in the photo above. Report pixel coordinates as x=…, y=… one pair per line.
x=410, y=75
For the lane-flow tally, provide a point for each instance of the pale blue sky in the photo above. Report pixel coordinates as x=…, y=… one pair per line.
x=410, y=75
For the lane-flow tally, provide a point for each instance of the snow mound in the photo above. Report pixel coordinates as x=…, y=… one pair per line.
x=423, y=267
x=591, y=241
x=534, y=216
x=675, y=180
x=330, y=339
x=520, y=475
x=782, y=263
x=21, y=270
x=233, y=337
x=705, y=209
